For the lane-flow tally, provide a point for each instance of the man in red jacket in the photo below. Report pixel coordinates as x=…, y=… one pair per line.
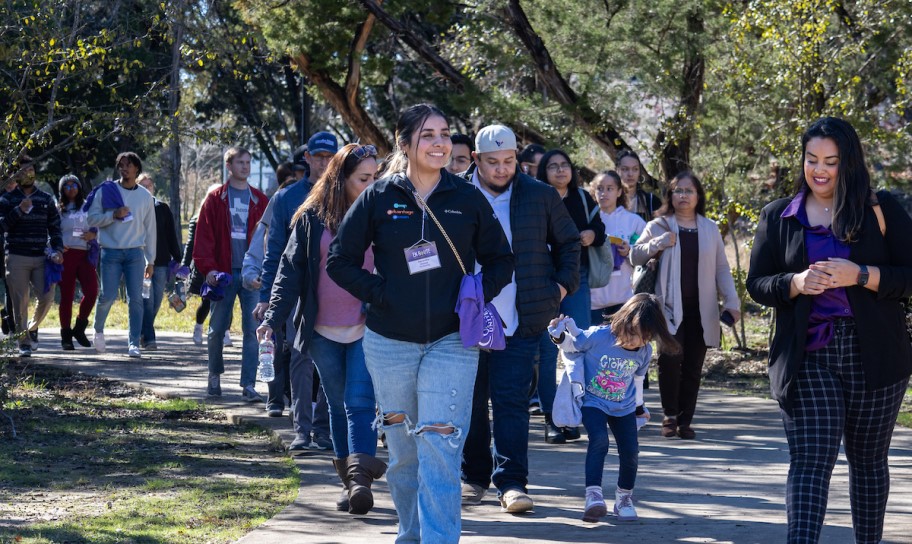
x=226, y=223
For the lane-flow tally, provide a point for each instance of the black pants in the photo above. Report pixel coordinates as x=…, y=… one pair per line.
x=832, y=405
x=679, y=375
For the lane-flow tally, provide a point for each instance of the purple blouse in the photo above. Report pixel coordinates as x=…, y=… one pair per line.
x=832, y=304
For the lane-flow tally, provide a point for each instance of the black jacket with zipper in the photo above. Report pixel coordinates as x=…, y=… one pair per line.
x=779, y=253
x=296, y=279
x=421, y=307
x=546, y=244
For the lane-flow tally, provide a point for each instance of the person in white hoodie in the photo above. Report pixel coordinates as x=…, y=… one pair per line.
x=623, y=228
x=126, y=234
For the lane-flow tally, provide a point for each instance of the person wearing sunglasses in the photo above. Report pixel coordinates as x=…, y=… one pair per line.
x=78, y=264
x=330, y=323
x=693, y=275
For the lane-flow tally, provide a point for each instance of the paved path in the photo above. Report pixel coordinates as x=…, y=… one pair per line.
x=726, y=486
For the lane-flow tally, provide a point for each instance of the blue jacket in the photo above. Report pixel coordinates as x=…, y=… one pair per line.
x=286, y=203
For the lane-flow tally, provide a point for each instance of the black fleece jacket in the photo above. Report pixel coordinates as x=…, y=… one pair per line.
x=546, y=244
x=417, y=307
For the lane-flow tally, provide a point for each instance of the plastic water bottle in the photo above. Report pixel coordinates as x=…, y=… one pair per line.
x=266, y=371
x=147, y=287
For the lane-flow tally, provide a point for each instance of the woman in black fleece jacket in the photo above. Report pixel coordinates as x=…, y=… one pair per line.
x=423, y=376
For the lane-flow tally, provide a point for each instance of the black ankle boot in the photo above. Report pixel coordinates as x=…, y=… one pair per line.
x=66, y=339
x=553, y=434
x=79, y=332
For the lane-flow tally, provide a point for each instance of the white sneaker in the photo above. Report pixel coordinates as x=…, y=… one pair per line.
x=623, y=505
x=198, y=334
x=99, y=342
x=133, y=351
x=595, y=504
x=514, y=501
x=227, y=342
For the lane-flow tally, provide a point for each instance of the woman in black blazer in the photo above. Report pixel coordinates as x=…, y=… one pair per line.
x=841, y=357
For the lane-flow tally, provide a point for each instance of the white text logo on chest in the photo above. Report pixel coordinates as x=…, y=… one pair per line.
x=456, y=212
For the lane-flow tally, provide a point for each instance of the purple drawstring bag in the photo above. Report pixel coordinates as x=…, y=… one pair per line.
x=618, y=260
x=479, y=324
x=53, y=273
x=216, y=292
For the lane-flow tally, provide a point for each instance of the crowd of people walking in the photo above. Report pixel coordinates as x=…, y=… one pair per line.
x=370, y=274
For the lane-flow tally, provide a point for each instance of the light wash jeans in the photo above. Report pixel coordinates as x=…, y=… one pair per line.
x=152, y=304
x=219, y=321
x=432, y=385
x=350, y=394
x=129, y=264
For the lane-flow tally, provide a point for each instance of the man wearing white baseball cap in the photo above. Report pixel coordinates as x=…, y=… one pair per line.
x=546, y=244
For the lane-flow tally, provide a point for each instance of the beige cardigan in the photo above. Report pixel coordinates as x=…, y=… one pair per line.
x=714, y=279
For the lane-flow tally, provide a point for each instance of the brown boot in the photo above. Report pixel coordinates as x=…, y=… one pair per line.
x=340, y=466
x=363, y=469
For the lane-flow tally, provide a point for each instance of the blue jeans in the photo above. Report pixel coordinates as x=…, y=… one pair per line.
x=350, y=395
x=504, y=376
x=129, y=264
x=219, y=321
x=579, y=307
x=295, y=373
x=153, y=303
x=431, y=384
x=625, y=437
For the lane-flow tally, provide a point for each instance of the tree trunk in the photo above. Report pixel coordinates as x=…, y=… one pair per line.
x=174, y=150
x=599, y=129
x=675, y=149
x=346, y=100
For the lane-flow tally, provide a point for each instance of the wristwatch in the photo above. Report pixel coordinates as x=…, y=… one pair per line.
x=862, y=275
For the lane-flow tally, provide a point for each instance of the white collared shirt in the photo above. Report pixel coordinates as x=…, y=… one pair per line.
x=505, y=302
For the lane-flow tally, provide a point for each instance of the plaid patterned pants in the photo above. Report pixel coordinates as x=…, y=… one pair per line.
x=832, y=405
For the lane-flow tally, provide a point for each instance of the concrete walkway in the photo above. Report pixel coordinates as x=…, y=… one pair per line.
x=726, y=486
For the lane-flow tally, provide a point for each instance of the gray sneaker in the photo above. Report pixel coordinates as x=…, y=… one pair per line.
x=250, y=394
x=300, y=443
x=215, y=386
x=322, y=442
x=472, y=494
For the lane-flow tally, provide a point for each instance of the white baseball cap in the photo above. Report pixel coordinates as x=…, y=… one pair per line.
x=494, y=138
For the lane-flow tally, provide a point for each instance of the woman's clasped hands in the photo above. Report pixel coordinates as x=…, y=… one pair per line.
x=830, y=274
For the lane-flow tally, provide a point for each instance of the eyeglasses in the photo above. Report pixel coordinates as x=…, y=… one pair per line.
x=556, y=167
x=71, y=185
x=684, y=192
x=365, y=151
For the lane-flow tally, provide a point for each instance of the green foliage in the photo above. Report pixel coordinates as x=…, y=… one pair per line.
x=80, y=81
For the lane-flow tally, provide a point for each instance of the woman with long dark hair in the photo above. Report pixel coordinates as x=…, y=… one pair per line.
x=693, y=276
x=418, y=219
x=557, y=170
x=638, y=200
x=834, y=262
x=77, y=264
x=331, y=324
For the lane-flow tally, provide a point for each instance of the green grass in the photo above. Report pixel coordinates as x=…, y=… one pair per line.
x=143, y=470
x=166, y=320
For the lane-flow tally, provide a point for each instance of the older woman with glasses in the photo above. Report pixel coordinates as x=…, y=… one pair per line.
x=693, y=275
x=78, y=264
